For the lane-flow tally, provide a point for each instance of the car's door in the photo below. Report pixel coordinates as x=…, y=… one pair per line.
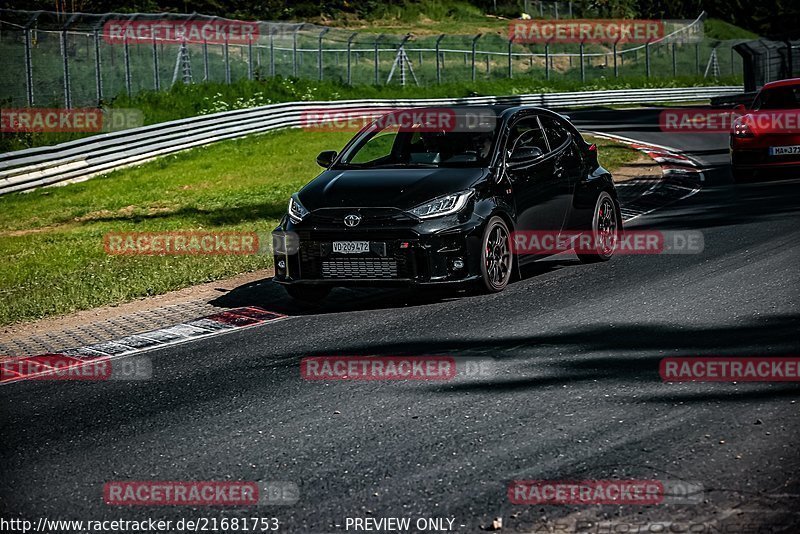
x=567, y=161
x=535, y=186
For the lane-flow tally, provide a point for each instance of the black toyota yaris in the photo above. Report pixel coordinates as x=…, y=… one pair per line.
x=433, y=197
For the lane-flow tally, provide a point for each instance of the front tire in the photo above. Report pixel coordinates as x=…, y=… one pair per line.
x=308, y=293
x=497, y=261
x=606, y=226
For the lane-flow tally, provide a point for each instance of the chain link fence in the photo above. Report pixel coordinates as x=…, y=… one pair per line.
x=73, y=60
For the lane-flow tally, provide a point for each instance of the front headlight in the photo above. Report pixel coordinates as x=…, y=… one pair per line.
x=441, y=206
x=296, y=210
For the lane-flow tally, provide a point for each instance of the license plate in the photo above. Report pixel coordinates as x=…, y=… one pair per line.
x=784, y=150
x=350, y=247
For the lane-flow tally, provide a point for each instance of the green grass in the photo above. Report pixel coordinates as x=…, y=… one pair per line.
x=51, y=239
x=190, y=100
x=613, y=154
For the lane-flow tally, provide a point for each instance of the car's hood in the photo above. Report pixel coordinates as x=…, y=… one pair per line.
x=396, y=188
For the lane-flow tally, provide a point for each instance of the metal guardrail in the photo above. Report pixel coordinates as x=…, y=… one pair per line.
x=83, y=158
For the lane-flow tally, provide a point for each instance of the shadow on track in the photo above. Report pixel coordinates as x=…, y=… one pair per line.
x=271, y=296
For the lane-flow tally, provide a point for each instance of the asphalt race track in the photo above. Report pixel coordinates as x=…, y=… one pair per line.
x=572, y=390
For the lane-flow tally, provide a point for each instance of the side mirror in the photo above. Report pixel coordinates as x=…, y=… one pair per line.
x=326, y=157
x=740, y=108
x=524, y=155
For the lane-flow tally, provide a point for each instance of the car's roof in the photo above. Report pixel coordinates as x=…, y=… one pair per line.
x=499, y=110
x=781, y=83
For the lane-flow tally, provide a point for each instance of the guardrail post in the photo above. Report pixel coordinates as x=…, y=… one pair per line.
x=377, y=58
x=349, y=58
x=226, y=54
x=616, y=67
x=570, y=8
x=647, y=58
x=583, y=66
x=127, y=59
x=438, y=60
x=319, y=51
x=156, y=81
x=474, y=46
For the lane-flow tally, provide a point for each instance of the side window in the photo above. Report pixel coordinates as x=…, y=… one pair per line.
x=376, y=148
x=556, y=133
x=526, y=133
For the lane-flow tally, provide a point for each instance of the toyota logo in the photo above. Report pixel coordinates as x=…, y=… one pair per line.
x=352, y=220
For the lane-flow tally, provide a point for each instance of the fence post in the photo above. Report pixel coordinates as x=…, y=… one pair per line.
x=510, y=64
x=674, y=61
x=438, y=60
x=127, y=58
x=65, y=58
x=272, y=52
x=616, y=67
x=583, y=67
x=28, y=68
x=156, y=81
x=790, y=60
x=98, y=73
x=319, y=51
x=377, y=58
x=294, y=51
x=349, y=58
x=205, y=60
x=547, y=60
x=226, y=53
x=249, y=57
x=474, y=46
x=697, y=58
x=647, y=58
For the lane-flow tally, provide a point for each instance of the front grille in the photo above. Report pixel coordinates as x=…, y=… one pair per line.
x=370, y=218
x=360, y=268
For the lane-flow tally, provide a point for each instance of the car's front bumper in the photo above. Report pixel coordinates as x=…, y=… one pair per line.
x=438, y=252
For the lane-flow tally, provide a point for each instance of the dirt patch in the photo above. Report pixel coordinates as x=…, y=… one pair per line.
x=642, y=167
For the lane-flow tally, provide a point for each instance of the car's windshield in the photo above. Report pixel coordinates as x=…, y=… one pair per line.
x=467, y=143
x=778, y=98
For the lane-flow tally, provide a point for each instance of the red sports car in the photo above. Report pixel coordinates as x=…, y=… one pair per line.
x=766, y=138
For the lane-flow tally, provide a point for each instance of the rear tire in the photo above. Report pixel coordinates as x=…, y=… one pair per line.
x=308, y=293
x=606, y=226
x=497, y=260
